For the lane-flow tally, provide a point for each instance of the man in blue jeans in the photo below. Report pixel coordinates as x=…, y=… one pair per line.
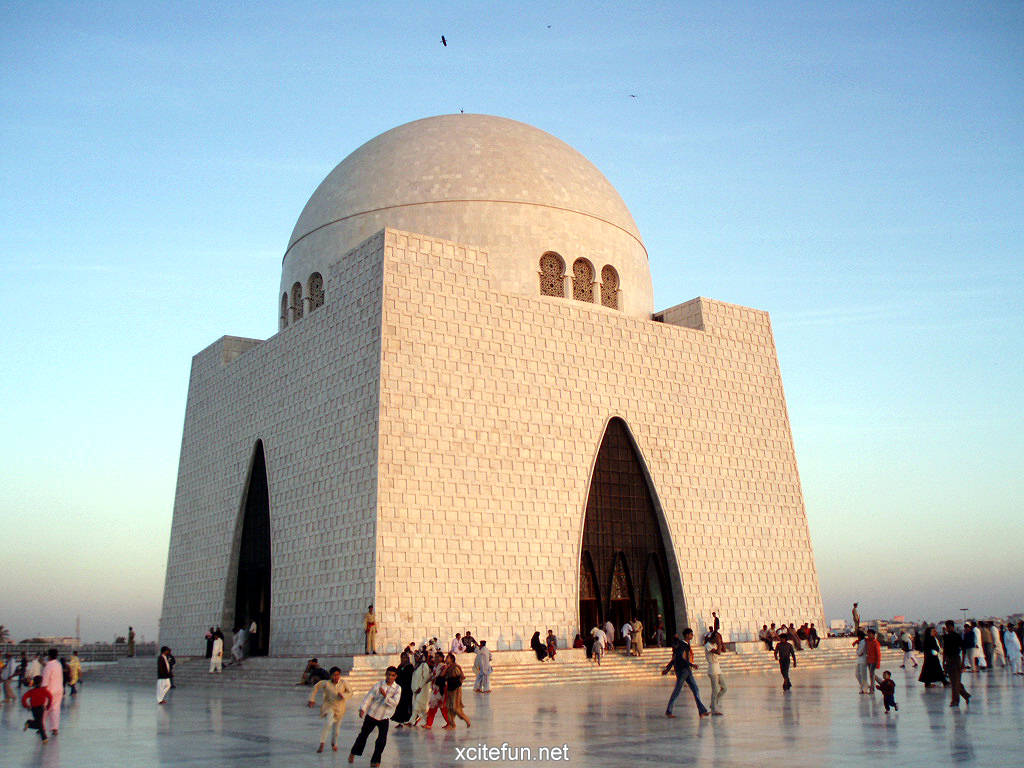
x=682, y=661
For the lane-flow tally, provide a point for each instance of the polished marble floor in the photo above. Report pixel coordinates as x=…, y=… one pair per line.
x=822, y=722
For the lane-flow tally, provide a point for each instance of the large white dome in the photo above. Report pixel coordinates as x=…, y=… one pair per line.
x=505, y=186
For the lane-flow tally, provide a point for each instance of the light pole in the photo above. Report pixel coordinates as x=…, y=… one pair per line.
x=964, y=620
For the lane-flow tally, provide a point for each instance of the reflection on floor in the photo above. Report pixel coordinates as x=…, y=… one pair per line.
x=822, y=720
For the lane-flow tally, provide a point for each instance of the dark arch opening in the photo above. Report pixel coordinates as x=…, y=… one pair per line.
x=622, y=534
x=590, y=596
x=252, y=595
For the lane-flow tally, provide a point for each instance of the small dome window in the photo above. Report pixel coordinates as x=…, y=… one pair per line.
x=296, y=301
x=609, y=287
x=316, y=291
x=583, y=280
x=552, y=275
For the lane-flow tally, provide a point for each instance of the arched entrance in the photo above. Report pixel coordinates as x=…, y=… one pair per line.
x=622, y=541
x=252, y=590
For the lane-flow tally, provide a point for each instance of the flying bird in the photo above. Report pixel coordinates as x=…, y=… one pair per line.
x=632, y=95
x=444, y=42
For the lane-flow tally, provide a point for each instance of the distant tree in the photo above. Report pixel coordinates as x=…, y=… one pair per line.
x=5, y=635
x=119, y=640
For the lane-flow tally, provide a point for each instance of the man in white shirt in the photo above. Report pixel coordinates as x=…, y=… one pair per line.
x=53, y=681
x=335, y=691
x=1013, y=650
x=378, y=706
x=457, y=646
x=35, y=668
x=627, y=635
x=713, y=650
x=217, y=653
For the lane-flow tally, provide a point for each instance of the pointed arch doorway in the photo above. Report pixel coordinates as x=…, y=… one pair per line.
x=252, y=584
x=623, y=545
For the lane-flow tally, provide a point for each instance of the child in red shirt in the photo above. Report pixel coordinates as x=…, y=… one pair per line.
x=38, y=699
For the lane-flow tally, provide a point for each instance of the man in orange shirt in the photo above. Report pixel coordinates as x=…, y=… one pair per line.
x=874, y=657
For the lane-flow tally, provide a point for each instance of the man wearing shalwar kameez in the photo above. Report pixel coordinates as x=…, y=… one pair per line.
x=53, y=681
x=420, y=691
x=335, y=691
x=482, y=667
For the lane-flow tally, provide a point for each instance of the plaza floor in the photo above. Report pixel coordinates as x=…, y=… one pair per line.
x=823, y=721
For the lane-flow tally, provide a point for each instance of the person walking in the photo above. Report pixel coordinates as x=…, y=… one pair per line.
x=404, y=709
x=7, y=675
x=209, y=642
x=163, y=675
x=659, y=632
x=785, y=655
x=37, y=700
x=1013, y=650
x=377, y=707
x=952, y=654
x=370, y=630
x=627, y=634
x=856, y=619
x=682, y=662
x=53, y=681
x=217, y=653
x=131, y=642
x=907, y=644
x=74, y=672
x=873, y=655
x=482, y=668
x=453, y=695
x=332, y=710
x=713, y=650
x=888, y=688
x=931, y=667
x=421, y=685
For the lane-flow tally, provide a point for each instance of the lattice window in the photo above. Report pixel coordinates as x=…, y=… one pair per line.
x=552, y=275
x=284, y=310
x=296, y=301
x=609, y=287
x=620, y=584
x=588, y=589
x=316, y=291
x=583, y=280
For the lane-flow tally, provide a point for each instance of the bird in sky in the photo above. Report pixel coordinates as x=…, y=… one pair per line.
x=444, y=42
x=632, y=95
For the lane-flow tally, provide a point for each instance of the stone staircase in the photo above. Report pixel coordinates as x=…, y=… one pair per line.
x=511, y=668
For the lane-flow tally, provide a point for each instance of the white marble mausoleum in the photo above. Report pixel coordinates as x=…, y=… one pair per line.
x=472, y=416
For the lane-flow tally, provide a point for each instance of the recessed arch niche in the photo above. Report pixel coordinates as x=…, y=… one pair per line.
x=252, y=559
x=624, y=540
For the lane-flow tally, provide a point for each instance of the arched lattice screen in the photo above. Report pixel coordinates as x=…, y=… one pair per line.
x=316, y=291
x=552, y=275
x=296, y=301
x=609, y=287
x=583, y=280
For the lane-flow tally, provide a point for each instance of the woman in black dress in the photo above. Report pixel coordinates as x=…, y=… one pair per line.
x=931, y=670
x=404, y=709
x=538, y=647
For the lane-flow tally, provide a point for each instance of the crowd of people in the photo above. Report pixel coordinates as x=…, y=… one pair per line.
x=47, y=676
x=797, y=636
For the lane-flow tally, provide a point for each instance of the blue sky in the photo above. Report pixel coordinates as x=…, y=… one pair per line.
x=855, y=169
